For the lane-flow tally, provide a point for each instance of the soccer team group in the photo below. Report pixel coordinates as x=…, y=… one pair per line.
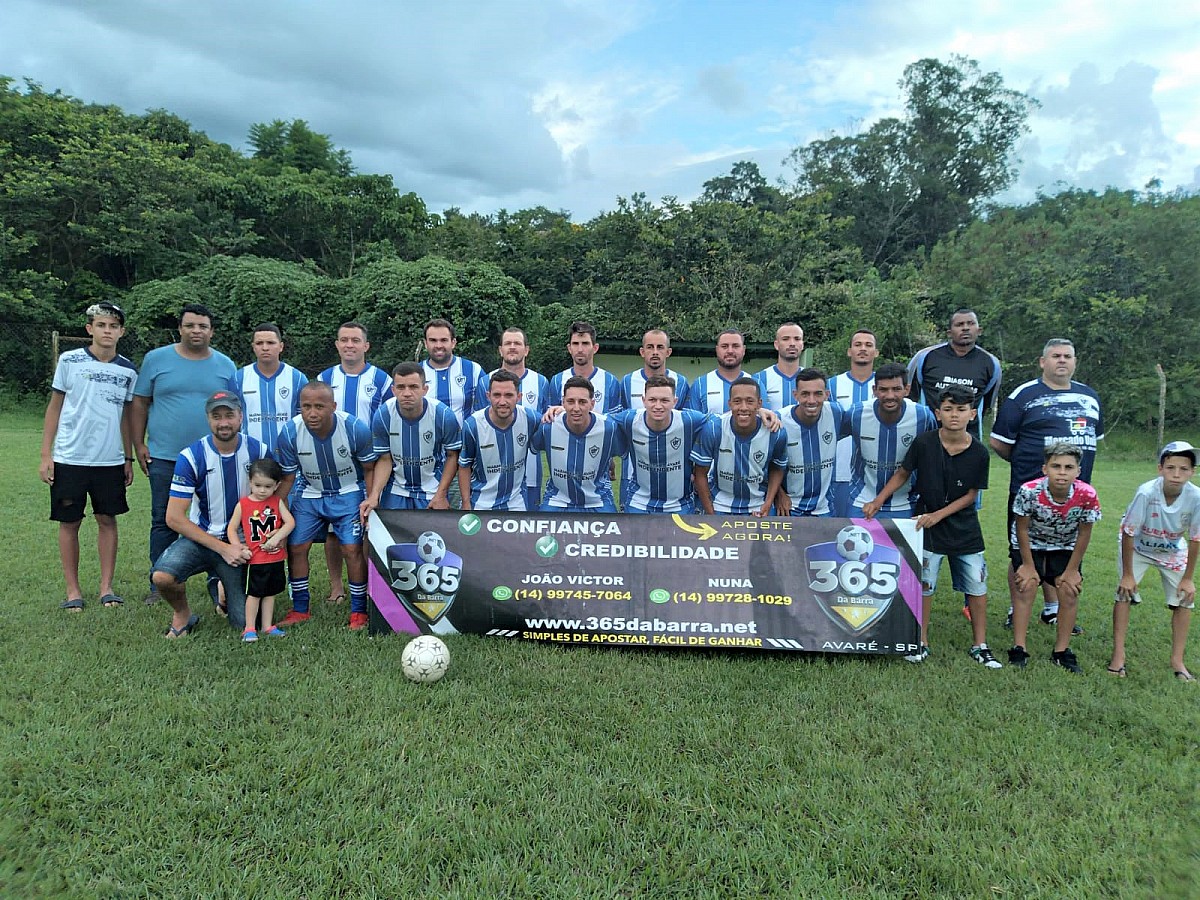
x=249, y=467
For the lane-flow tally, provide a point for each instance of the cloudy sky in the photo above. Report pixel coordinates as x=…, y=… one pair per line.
x=572, y=103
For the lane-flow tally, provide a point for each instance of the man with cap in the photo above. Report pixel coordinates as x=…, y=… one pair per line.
x=211, y=475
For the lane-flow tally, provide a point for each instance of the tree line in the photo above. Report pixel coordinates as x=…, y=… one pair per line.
x=891, y=229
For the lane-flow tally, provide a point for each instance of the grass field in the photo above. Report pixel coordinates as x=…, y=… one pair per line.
x=307, y=767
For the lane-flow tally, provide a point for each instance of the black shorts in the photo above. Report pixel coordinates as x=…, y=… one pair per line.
x=265, y=579
x=74, y=484
x=1049, y=564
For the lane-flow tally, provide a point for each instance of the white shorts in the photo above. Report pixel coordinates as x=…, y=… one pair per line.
x=968, y=572
x=1170, y=581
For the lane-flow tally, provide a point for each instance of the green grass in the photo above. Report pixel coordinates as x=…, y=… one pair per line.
x=137, y=767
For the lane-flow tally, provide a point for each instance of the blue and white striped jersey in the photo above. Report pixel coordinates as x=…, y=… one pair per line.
x=608, y=396
x=812, y=451
x=778, y=390
x=847, y=392
x=497, y=458
x=879, y=448
x=268, y=403
x=330, y=466
x=214, y=482
x=738, y=466
x=710, y=393
x=633, y=386
x=417, y=446
x=535, y=395
x=359, y=395
x=455, y=386
x=660, y=461
x=579, y=463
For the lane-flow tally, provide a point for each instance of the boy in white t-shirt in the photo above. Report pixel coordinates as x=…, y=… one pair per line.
x=1161, y=530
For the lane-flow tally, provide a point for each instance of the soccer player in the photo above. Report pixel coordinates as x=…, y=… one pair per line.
x=655, y=351
x=1161, y=530
x=951, y=467
x=813, y=425
x=883, y=429
x=659, y=439
x=534, y=391
x=737, y=463
x=416, y=440
x=582, y=346
x=210, y=475
x=848, y=389
x=958, y=360
x=269, y=387
x=454, y=380
x=579, y=446
x=779, y=381
x=358, y=390
x=87, y=447
x=1042, y=412
x=1052, y=525
x=496, y=442
x=332, y=451
x=710, y=392
x=168, y=398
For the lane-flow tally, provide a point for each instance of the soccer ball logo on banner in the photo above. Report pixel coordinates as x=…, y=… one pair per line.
x=854, y=578
x=425, y=575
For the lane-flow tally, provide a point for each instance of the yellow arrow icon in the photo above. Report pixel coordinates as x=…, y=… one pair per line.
x=704, y=530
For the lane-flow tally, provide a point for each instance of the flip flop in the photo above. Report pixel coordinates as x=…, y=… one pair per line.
x=174, y=633
x=214, y=591
x=1184, y=676
x=111, y=600
x=1118, y=672
x=75, y=605
x=336, y=599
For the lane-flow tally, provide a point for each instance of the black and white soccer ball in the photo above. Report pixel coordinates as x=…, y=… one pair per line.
x=430, y=547
x=425, y=659
x=854, y=543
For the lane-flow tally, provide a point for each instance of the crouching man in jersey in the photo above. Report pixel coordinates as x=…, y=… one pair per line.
x=329, y=448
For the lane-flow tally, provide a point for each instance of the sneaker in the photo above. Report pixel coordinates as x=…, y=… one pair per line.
x=1049, y=618
x=249, y=635
x=276, y=631
x=1008, y=621
x=1018, y=656
x=920, y=656
x=358, y=621
x=294, y=618
x=982, y=654
x=1067, y=660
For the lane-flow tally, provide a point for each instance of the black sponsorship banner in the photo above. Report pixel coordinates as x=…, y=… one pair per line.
x=803, y=584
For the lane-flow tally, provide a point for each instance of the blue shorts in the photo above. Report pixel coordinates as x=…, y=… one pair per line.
x=397, y=501
x=857, y=513
x=533, y=497
x=968, y=572
x=687, y=508
x=315, y=515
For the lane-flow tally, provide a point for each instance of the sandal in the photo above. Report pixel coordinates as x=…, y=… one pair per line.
x=1118, y=672
x=175, y=633
x=75, y=605
x=111, y=600
x=336, y=599
x=1183, y=675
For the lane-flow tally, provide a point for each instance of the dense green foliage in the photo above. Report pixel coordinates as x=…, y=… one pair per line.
x=888, y=229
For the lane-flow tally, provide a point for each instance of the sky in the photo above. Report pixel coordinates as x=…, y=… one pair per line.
x=570, y=104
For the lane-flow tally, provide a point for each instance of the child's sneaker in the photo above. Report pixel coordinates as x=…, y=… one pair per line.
x=358, y=621
x=920, y=656
x=249, y=635
x=981, y=654
x=295, y=618
x=1066, y=659
x=276, y=631
x=1018, y=656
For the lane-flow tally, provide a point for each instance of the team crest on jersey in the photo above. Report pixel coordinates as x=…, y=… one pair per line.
x=906, y=440
x=599, y=397
x=369, y=390
x=852, y=579
x=427, y=436
x=530, y=398
x=284, y=393
x=827, y=437
x=425, y=576
x=676, y=442
x=759, y=456
x=460, y=380
x=593, y=451
x=343, y=451
x=1079, y=425
x=521, y=440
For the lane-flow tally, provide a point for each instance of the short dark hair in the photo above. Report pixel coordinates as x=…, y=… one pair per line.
x=1064, y=448
x=725, y=331
x=660, y=381
x=888, y=371
x=746, y=380
x=266, y=466
x=962, y=312
x=317, y=385
x=864, y=331
x=513, y=329
x=582, y=328
x=196, y=309
x=440, y=323
x=268, y=326
x=408, y=368
x=578, y=381
x=505, y=375
x=359, y=325
x=811, y=374
x=958, y=394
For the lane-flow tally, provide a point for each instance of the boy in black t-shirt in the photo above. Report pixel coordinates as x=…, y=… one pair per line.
x=952, y=468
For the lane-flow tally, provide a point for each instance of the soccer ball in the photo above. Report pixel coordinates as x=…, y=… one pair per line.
x=430, y=547
x=854, y=542
x=425, y=659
